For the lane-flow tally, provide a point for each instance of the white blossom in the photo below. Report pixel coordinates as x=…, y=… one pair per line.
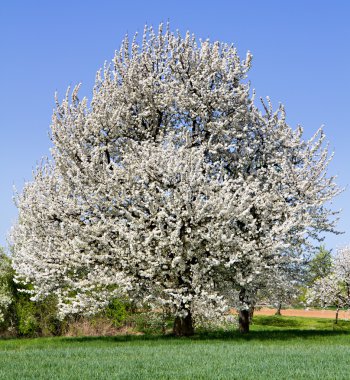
x=170, y=186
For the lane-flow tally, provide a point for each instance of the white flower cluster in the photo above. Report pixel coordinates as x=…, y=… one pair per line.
x=170, y=186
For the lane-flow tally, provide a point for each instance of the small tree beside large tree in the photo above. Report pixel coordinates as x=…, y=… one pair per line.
x=334, y=288
x=171, y=186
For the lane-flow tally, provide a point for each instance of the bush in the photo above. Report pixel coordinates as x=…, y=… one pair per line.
x=6, y=293
x=117, y=312
x=151, y=322
x=27, y=324
x=18, y=314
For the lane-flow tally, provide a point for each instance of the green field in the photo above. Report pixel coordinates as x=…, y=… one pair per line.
x=276, y=348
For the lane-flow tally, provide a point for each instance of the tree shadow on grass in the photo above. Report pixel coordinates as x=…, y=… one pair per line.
x=261, y=336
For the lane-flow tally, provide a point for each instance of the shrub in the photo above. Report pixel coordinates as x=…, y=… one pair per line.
x=151, y=321
x=27, y=324
x=117, y=312
x=6, y=292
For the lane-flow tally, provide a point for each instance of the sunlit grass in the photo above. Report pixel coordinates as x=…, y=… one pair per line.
x=276, y=348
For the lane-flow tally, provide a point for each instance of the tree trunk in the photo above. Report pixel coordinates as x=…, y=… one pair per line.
x=243, y=320
x=183, y=326
x=336, y=316
x=251, y=313
x=279, y=307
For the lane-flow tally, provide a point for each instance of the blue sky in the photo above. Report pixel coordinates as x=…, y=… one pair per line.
x=301, y=58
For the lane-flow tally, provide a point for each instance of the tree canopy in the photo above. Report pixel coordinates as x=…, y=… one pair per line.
x=171, y=186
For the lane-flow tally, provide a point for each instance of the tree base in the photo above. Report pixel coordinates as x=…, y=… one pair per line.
x=243, y=321
x=183, y=326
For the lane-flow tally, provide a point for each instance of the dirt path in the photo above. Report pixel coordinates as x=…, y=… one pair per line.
x=304, y=313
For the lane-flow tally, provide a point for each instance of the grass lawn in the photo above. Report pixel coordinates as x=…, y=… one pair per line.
x=276, y=348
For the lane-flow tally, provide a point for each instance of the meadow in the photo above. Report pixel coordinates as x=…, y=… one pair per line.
x=276, y=348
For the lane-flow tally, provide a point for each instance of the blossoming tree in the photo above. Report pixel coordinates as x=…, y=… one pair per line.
x=170, y=186
x=333, y=289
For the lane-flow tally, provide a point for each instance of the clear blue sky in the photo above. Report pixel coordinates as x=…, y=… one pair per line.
x=301, y=58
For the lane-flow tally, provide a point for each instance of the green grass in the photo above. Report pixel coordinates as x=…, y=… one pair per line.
x=276, y=348
x=300, y=323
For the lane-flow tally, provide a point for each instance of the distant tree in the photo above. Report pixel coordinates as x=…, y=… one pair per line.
x=282, y=287
x=320, y=265
x=171, y=186
x=334, y=288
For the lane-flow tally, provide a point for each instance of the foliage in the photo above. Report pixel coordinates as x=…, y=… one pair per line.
x=320, y=266
x=171, y=187
x=27, y=322
x=36, y=318
x=19, y=315
x=6, y=291
x=117, y=311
